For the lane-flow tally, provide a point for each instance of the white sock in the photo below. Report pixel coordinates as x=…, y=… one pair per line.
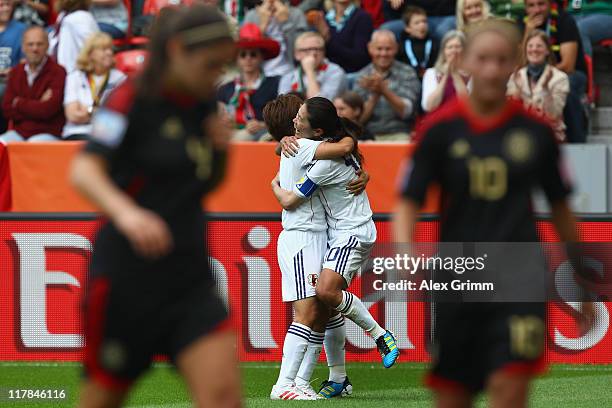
x=352, y=308
x=311, y=358
x=294, y=348
x=335, y=339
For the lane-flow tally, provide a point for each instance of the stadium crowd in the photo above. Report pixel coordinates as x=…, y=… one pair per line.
x=386, y=63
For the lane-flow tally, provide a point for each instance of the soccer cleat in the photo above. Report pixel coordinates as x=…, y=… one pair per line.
x=330, y=389
x=290, y=392
x=308, y=390
x=387, y=346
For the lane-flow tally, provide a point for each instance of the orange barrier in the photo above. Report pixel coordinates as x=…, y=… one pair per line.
x=39, y=178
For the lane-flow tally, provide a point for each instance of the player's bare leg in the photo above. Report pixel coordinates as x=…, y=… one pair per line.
x=453, y=399
x=210, y=369
x=508, y=390
x=93, y=395
x=309, y=311
x=331, y=291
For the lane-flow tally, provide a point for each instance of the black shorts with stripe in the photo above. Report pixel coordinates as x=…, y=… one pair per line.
x=474, y=340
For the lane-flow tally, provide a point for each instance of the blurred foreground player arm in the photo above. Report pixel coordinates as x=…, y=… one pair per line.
x=420, y=172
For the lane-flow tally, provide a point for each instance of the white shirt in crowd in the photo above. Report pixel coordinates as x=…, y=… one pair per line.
x=310, y=215
x=75, y=29
x=77, y=89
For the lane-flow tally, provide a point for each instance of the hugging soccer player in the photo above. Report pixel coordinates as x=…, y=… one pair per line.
x=301, y=247
x=350, y=229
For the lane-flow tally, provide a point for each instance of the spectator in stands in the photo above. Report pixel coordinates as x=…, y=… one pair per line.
x=539, y=84
x=111, y=16
x=32, y=12
x=89, y=85
x=446, y=79
x=569, y=54
x=282, y=23
x=350, y=105
x=315, y=75
x=34, y=93
x=594, y=20
x=389, y=88
x=440, y=15
x=346, y=29
x=416, y=47
x=245, y=96
x=11, y=33
x=74, y=25
x=471, y=11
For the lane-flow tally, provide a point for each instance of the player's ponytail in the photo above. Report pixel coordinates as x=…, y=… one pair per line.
x=322, y=115
x=354, y=130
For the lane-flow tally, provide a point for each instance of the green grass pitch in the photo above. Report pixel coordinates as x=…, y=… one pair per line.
x=579, y=386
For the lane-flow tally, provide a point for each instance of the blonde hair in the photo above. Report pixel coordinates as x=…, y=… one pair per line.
x=309, y=34
x=451, y=35
x=97, y=40
x=486, y=13
x=505, y=27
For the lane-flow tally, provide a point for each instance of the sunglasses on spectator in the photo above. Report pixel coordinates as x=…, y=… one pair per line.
x=312, y=49
x=245, y=54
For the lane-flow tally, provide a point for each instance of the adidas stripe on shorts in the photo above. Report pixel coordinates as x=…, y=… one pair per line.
x=349, y=250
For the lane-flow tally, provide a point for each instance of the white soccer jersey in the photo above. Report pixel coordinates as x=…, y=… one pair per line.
x=344, y=210
x=310, y=215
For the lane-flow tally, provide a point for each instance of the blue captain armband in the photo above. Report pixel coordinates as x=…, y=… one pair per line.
x=305, y=187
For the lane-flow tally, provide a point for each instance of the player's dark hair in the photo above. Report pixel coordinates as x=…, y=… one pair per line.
x=72, y=5
x=322, y=115
x=278, y=115
x=411, y=11
x=195, y=26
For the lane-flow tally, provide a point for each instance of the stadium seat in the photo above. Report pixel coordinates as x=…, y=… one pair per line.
x=52, y=16
x=130, y=61
x=125, y=41
x=591, y=91
x=153, y=7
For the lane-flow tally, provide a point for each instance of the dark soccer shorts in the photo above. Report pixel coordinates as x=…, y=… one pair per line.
x=474, y=340
x=125, y=328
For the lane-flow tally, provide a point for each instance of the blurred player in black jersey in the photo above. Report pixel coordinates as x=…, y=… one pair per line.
x=157, y=147
x=487, y=153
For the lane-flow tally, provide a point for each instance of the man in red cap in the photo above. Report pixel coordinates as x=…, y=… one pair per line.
x=245, y=96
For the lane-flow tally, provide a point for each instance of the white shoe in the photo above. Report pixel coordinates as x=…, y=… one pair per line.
x=308, y=390
x=290, y=392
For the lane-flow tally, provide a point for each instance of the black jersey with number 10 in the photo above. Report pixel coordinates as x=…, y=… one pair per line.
x=487, y=170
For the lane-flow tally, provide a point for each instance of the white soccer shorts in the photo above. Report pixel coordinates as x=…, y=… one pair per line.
x=300, y=256
x=349, y=250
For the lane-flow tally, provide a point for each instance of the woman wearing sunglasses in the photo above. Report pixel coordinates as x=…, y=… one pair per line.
x=246, y=95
